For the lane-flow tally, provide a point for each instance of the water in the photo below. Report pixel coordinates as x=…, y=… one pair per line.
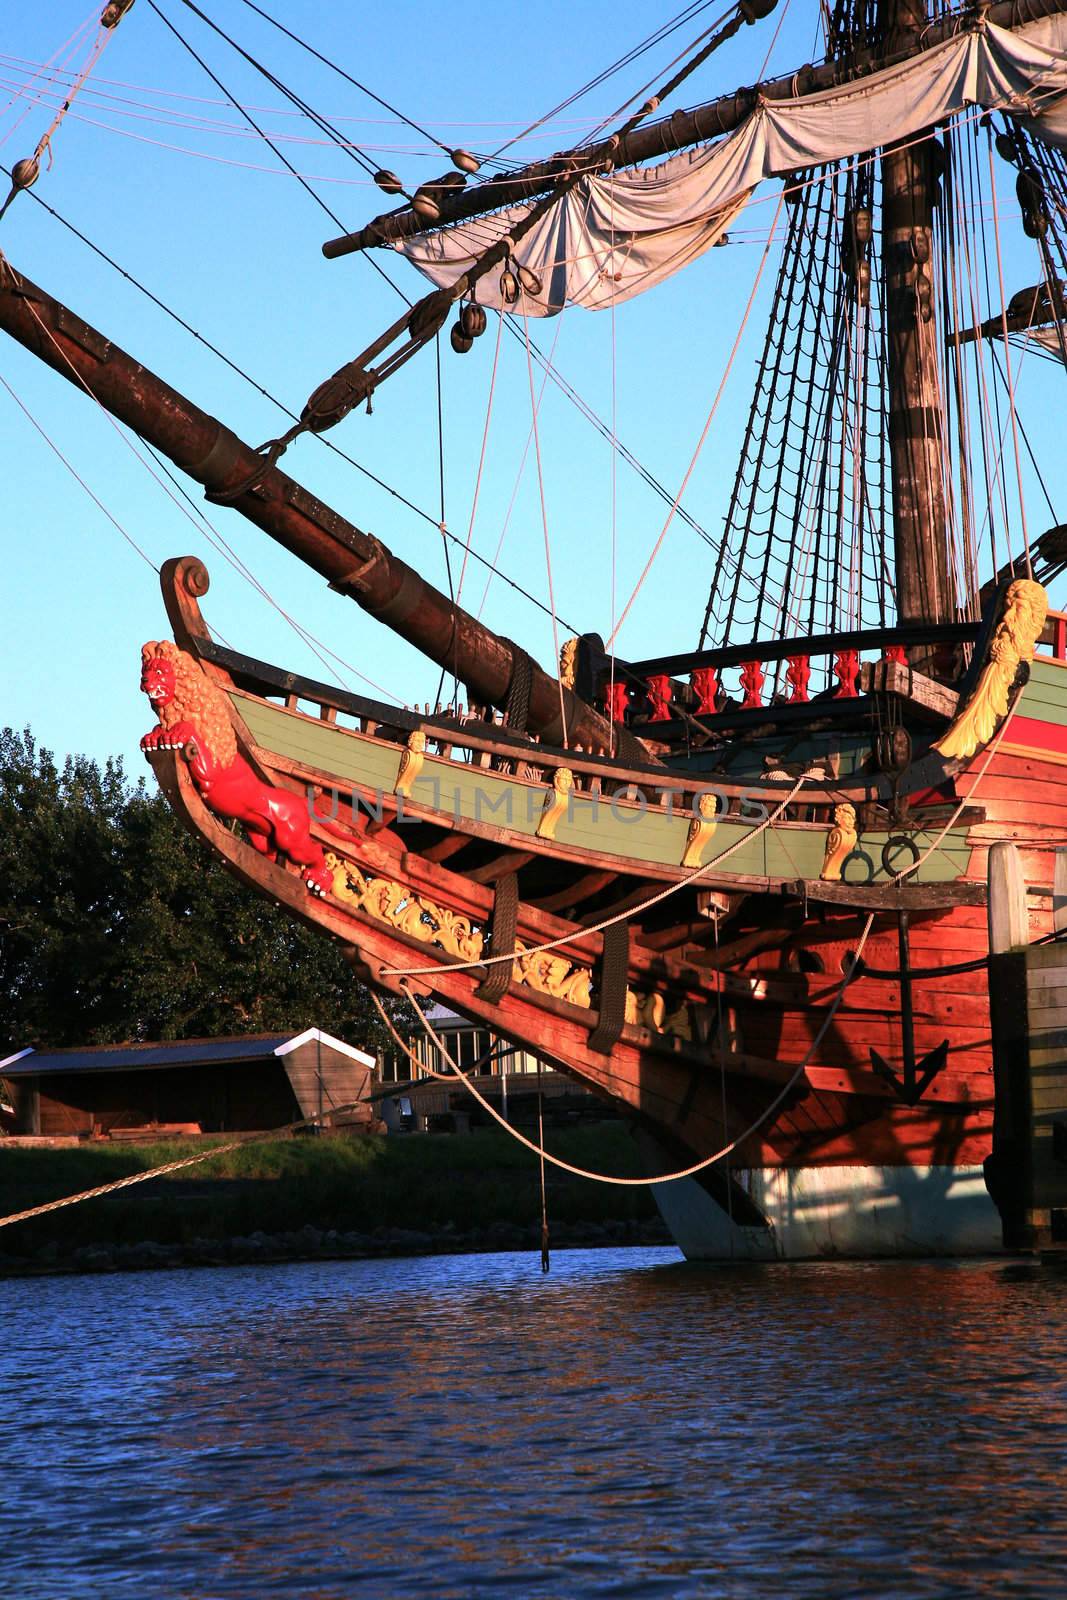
x=627, y=1426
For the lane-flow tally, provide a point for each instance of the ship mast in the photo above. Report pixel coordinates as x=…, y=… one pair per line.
x=925, y=588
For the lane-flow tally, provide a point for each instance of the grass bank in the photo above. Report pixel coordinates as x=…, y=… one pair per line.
x=455, y=1191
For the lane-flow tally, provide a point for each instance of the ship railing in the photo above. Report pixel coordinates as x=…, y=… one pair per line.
x=742, y=685
x=476, y=738
x=1053, y=640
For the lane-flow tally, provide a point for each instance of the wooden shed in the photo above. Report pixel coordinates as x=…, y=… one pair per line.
x=243, y=1084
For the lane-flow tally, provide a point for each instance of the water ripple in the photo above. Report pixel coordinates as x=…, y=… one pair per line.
x=464, y=1427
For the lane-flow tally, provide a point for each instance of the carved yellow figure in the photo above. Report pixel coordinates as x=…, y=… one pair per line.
x=840, y=842
x=568, y=662
x=555, y=803
x=1025, y=609
x=700, y=830
x=349, y=884
x=578, y=988
x=455, y=933
x=410, y=763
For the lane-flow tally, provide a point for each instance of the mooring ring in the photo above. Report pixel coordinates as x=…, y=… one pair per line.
x=857, y=855
x=894, y=843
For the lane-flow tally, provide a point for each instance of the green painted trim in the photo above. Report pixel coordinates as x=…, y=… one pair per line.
x=1041, y=710
x=1050, y=672
x=631, y=833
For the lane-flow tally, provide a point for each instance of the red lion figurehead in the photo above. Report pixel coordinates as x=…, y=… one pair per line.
x=194, y=719
x=188, y=703
x=158, y=679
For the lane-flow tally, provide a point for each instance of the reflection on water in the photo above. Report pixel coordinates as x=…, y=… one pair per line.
x=463, y=1426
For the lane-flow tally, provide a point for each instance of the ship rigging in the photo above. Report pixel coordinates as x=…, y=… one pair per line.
x=663, y=874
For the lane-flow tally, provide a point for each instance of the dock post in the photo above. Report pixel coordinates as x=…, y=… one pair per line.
x=1026, y=1174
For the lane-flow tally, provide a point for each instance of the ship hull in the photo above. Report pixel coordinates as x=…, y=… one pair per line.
x=815, y=1050
x=859, y=1212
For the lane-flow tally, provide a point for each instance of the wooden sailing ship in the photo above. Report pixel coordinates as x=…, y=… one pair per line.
x=740, y=890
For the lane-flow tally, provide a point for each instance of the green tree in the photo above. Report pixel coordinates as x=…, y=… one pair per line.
x=116, y=923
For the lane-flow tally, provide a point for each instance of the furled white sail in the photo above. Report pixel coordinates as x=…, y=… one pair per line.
x=1050, y=339
x=613, y=237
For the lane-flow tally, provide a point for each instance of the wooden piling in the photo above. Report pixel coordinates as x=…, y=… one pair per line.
x=1027, y=1171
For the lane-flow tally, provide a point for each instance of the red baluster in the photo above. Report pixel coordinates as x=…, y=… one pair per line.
x=705, y=685
x=618, y=701
x=797, y=678
x=659, y=698
x=1059, y=638
x=847, y=668
x=751, y=683
x=897, y=653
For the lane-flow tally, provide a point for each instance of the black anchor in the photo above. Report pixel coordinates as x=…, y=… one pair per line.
x=917, y=1075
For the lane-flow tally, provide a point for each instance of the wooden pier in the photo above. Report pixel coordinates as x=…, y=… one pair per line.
x=1027, y=1171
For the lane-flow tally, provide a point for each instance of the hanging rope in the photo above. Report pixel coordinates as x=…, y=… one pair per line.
x=50, y=442
x=1007, y=354
x=621, y=916
x=704, y=434
x=177, y=1166
x=481, y=458
x=546, y=1258
x=538, y=1149
x=544, y=524
x=26, y=172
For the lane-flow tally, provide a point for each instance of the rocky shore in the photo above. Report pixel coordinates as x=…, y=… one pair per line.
x=316, y=1199
x=313, y=1244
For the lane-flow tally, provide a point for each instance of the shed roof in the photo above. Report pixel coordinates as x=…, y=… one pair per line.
x=141, y=1057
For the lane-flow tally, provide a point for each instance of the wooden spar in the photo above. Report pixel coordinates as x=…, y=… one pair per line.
x=353, y=562
x=925, y=591
x=653, y=140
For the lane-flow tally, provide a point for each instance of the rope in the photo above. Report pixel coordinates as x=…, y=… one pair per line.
x=327, y=62
x=177, y=1166
x=115, y=523
x=706, y=430
x=544, y=521
x=661, y=33
x=237, y=105
x=22, y=65
x=44, y=143
x=698, y=872
x=1007, y=355
x=57, y=66
x=611, y=989
x=546, y=1258
x=494, y=986
x=120, y=1183
x=481, y=458
x=994, y=747
x=608, y=922
x=538, y=1149
x=517, y=704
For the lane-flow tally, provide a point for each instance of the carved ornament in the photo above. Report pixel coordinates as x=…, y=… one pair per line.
x=410, y=763
x=840, y=842
x=194, y=719
x=545, y=971
x=1025, y=609
x=700, y=830
x=556, y=802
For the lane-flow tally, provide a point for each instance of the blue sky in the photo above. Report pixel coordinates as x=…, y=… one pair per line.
x=235, y=250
